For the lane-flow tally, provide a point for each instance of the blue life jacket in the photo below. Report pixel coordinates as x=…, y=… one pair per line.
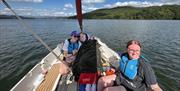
x=129, y=68
x=72, y=46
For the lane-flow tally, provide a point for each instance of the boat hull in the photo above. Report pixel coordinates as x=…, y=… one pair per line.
x=27, y=83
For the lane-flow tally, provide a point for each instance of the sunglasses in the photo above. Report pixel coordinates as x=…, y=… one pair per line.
x=75, y=36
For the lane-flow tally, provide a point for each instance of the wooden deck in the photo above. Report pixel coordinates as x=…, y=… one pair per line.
x=50, y=79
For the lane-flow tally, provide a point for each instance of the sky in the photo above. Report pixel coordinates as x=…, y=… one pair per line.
x=67, y=7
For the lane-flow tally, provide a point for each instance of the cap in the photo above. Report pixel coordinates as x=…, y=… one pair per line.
x=74, y=33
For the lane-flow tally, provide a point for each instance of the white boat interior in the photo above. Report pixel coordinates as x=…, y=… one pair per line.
x=35, y=80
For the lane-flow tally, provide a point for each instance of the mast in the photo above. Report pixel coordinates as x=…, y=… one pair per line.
x=79, y=13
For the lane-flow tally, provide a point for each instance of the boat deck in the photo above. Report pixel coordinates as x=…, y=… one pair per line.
x=50, y=79
x=63, y=86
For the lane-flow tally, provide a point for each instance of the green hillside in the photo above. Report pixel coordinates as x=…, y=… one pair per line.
x=170, y=12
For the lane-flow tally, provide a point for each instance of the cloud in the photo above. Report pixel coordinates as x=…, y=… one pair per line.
x=65, y=9
x=108, y=6
x=92, y=1
x=21, y=11
x=92, y=8
x=5, y=11
x=139, y=4
x=69, y=5
x=52, y=12
x=37, y=12
x=87, y=8
x=34, y=1
x=59, y=13
x=170, y=1
x=143, y=4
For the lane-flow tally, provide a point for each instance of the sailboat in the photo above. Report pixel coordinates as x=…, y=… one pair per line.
x=45, y=75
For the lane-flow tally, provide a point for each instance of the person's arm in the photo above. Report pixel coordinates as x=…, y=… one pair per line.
x=118, y=79
x=65, y=48
x=150, y=77
x=155, y=87
x=75, y=52
x=65, y=53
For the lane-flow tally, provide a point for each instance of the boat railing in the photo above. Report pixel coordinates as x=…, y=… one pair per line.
x=25, y=84
x=108, y=54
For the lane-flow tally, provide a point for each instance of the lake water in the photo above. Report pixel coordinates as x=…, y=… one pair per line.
x=20, y=51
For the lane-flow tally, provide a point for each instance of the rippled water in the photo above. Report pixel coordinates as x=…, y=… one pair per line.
x=20, y=51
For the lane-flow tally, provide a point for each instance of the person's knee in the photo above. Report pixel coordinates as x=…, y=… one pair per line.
x=101, y=81
x=105, y=81
x=106, y=89
x=115, y=88
x=100, y=84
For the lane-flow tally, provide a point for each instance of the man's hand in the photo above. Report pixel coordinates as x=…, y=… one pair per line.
x=75, y=52
x=155, y=87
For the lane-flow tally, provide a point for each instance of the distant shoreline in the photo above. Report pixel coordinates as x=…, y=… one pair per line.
x=165, y=12
x=29, y=17
x=87, y=19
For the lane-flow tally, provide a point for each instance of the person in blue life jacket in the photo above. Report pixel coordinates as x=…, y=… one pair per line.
x=134, y=73
x=71, y=47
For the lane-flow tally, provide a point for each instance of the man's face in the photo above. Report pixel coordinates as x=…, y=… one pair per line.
x=74, y=38
x=134, y=51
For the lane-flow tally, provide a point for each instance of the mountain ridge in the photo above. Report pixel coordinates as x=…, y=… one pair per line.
x=169, y=12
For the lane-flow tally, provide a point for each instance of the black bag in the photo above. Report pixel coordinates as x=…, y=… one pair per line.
x=86, y=60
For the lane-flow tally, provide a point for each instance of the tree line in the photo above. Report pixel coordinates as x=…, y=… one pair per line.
x=169, y=12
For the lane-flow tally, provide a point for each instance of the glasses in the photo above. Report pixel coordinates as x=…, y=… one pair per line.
x=133, y=51
x=75, y=36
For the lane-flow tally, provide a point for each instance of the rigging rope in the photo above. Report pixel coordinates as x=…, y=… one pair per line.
x=31, y=31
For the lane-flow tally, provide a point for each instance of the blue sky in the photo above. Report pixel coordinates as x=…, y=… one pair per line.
x=67, y=7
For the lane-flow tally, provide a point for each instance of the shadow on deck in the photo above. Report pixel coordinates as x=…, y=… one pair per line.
x=63, y=86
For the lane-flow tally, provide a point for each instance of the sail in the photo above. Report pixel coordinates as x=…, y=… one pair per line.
x=79, y=13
